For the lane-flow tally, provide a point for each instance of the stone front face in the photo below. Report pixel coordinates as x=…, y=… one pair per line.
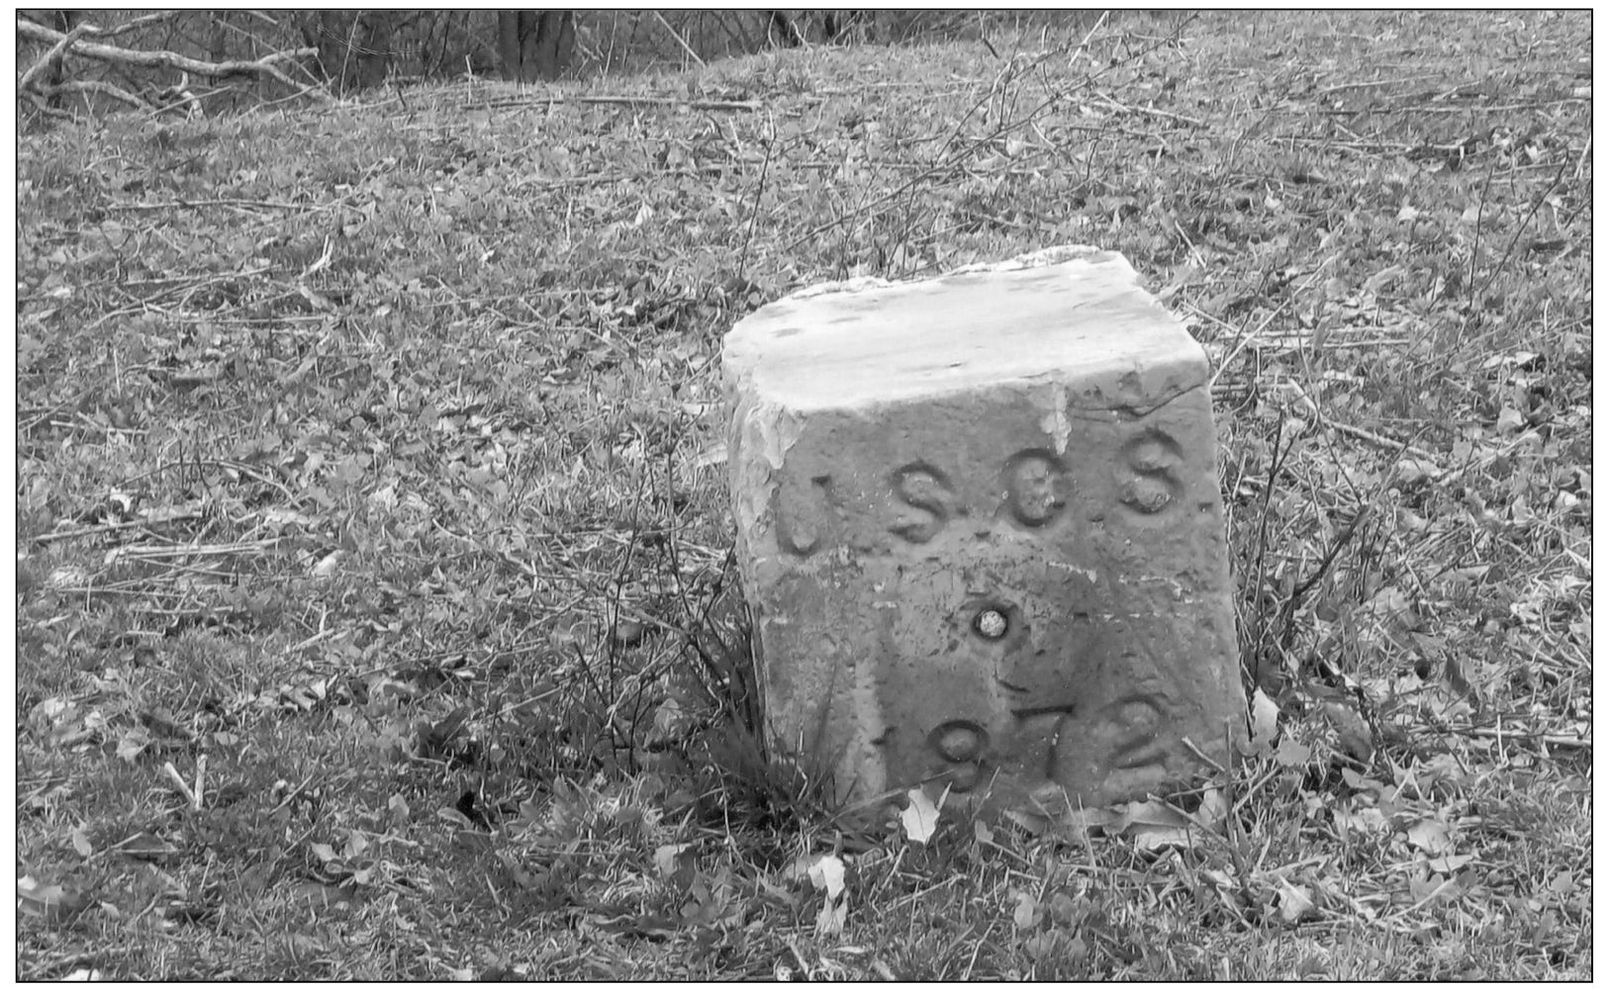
x=979, y=526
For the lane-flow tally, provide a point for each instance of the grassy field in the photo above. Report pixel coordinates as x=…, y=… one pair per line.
x=376, y=618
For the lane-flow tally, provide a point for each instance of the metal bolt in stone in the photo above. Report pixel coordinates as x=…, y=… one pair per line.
x=990, y=624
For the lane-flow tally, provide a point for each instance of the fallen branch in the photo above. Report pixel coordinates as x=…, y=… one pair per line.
x=144, y=20
x=91, y=86
x=30, y=79
x=652, y=101
x=265, y=66
x=1548, y=739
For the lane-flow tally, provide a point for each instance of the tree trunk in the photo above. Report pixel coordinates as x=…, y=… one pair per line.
x=782, y=32
x=354, y=46
x=63, y=21
x=535, y=44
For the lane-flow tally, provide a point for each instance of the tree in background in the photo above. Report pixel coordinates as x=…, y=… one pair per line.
x=354, y=45
x=790, y=30
x=535, y=44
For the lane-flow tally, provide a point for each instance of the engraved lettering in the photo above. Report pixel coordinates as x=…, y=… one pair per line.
x=924, y=488
x=1039, y=729
x=1150, y=482
x=1133, y=724
x=801, y=513
x=1037, y=487
x=962, y=745
x=959, y=740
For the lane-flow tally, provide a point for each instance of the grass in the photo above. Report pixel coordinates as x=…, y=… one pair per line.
x=369, y=478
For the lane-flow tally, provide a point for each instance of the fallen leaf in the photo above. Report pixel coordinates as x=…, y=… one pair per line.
x=1353, y=732
x=1212, y=810
x=1294, y=902
x=1264, y=713
x=1024, y=911
x=52, y=902
x=1451, y=864
x=1147, y=815
x=670, y=856
x=919, y=818
x=1292, y=753
x=1159, y=837
x=831, y=920
x=326, y=566
x=828, y=875
x=132, y=743
x=148, y=847
x=1430, y=835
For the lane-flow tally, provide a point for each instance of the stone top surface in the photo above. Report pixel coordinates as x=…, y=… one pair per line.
x=1070, y=313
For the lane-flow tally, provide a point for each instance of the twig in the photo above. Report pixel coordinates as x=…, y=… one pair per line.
x=1549, y=739
x=90, y=531
x=127, y=26
x=1194, y=122
x=92, y=86
x=1377, y=440
x=31, y=77
x=198, y=204
x=761, y=184
x=194, y=550
x=653, y=101
x=1372, y=82
x=264, y=66
x=193, y=796
x=1187, y=741
x=678, y=38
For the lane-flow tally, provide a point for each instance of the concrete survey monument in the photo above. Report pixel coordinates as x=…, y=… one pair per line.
x=980, y=531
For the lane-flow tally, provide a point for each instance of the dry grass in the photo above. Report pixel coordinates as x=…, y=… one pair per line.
x=371, y=455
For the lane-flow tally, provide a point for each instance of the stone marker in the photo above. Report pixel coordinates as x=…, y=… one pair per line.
x=980, y=529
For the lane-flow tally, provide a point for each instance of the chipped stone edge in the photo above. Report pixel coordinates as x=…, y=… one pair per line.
x=1055, y=255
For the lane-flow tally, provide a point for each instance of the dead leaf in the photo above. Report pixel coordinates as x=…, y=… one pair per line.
x=1294, y=902
x=1151, y=838
x=149, y=847
x=1263, y=712
x=919, y=818
x=51, y=902
x=827, y=874
x=1430, y=835
x=1292, y=753
x=675, y=861
x=326, y=566
x=1024, y=911
x=1146, y=815
x=1212, y=810
x=831, y=920
x=133, y=742
x=1353, y=732
x=1451, y=864
x=81, y=843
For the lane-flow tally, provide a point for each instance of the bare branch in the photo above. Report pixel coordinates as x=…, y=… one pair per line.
x=94, y=86
x=264, y=66
x=38, y=69
x=127, y=26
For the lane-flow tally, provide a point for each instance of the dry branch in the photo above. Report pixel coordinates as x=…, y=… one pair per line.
x=30, y=79
x=264, y=66
x=92, y=86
